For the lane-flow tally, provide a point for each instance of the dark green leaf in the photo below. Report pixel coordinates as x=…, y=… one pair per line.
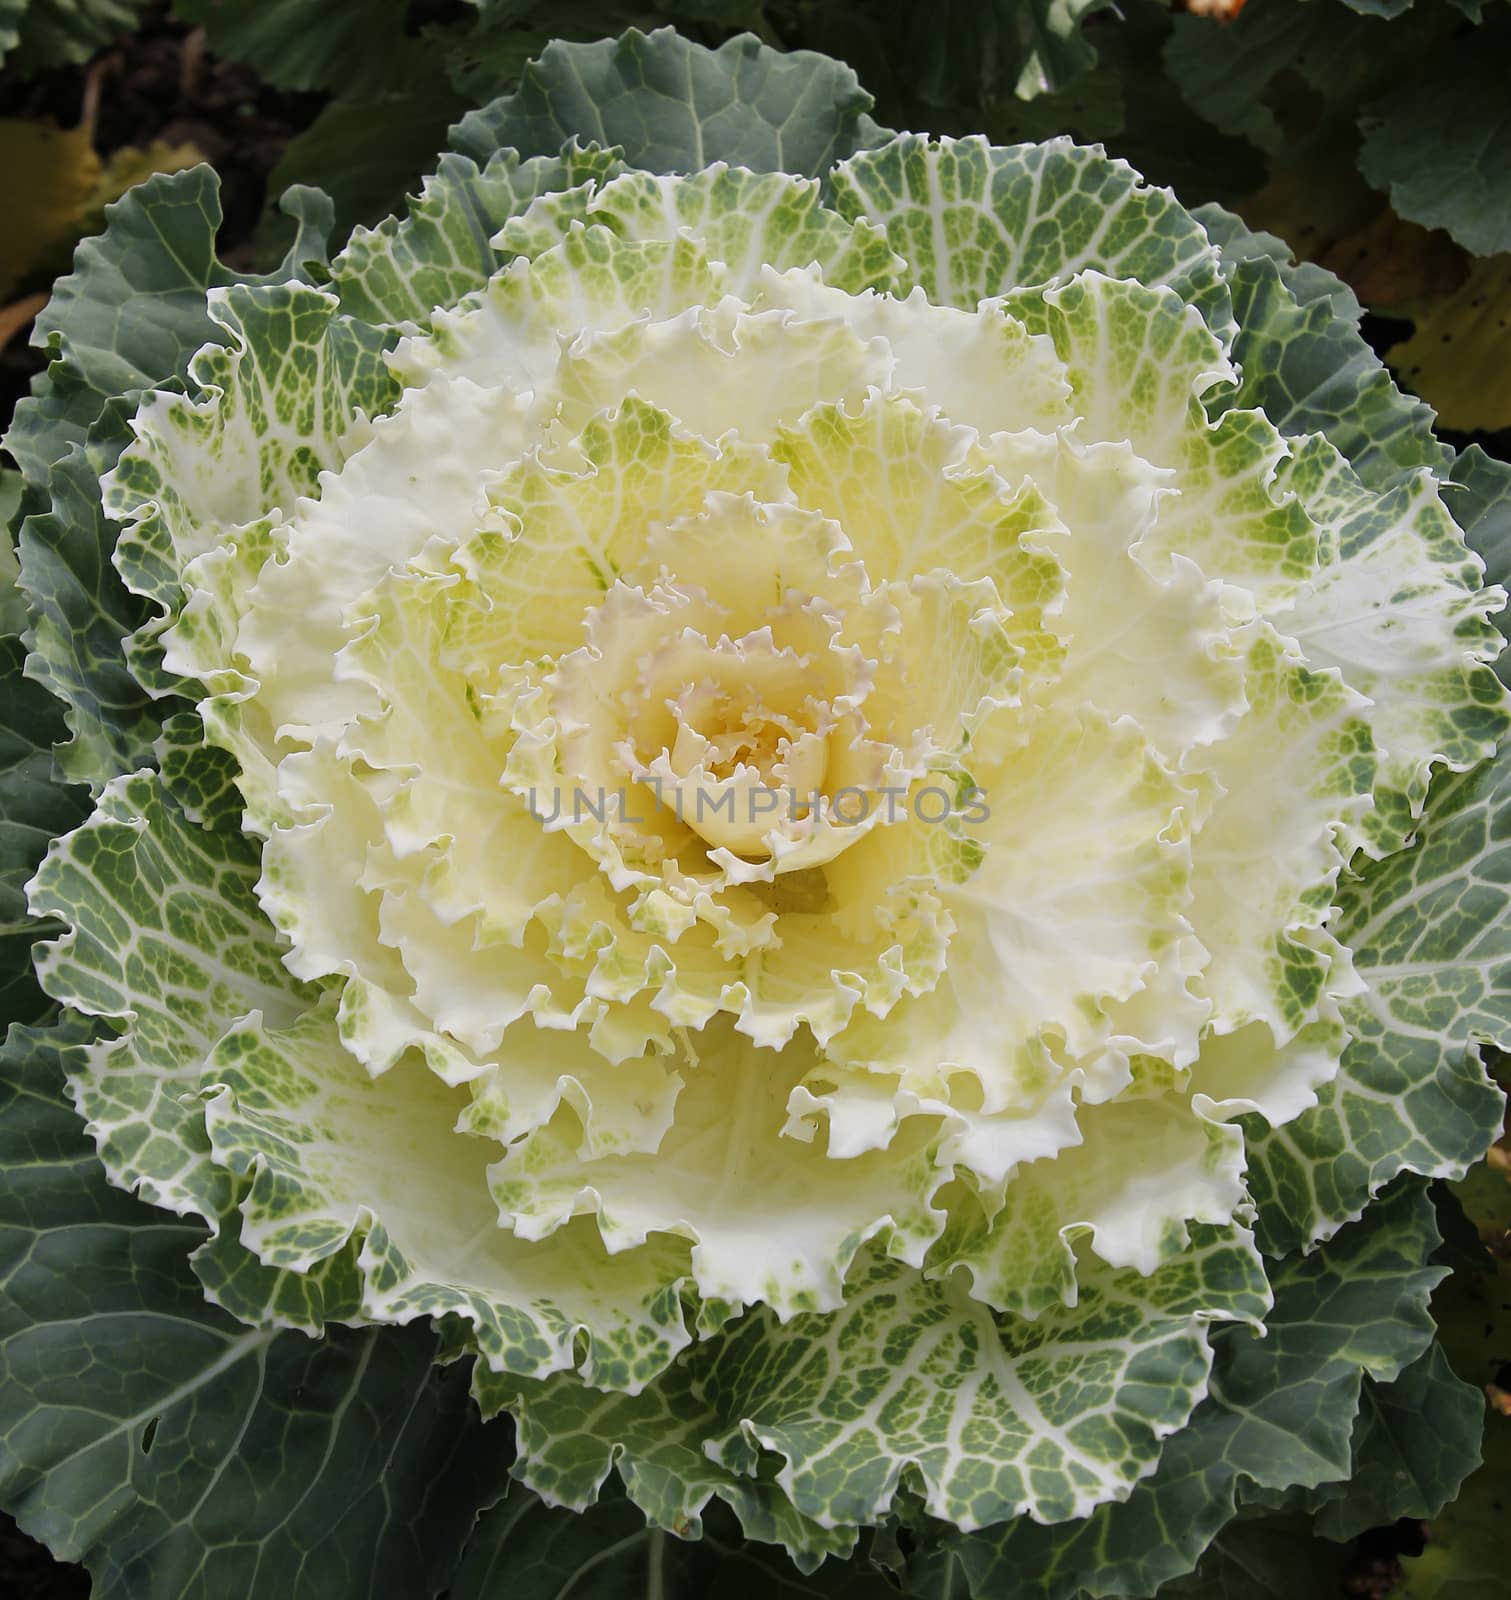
x=353, y=49
x=56, y=33
x=82, y=616
x=1437, y=141
x=175, y=1451
x=1267, y=1558
x=674, y=107
x=367, y=154
x=34, y=807
x=525, y=1550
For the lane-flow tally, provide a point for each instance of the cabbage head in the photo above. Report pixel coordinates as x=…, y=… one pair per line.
x=826, y=797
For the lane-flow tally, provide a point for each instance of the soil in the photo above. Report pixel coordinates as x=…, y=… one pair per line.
x=161, y=84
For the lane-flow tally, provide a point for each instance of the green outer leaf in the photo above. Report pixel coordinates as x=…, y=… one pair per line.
x=1437, y=142
x=82, y=619
x=157, y=258
x=1466, y=1557
x=1280, y=1410
x=1431, y=937
x=1307, y=368
x=975, y=220
x=34, y=807
x=1414, y=1443
x=1222, y=72
x=1482, y=508
x=1264, y=1558
x=675, y=107
x=176, y=1452
x=524, y=1549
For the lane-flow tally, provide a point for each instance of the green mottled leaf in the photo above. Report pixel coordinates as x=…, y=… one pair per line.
x=1432, y=941
x=1437, y=141
x=1280, y=1410
x=176, y=1452
x=987, y=1415
x=203, y=779
x=974, y=220
x=307, y=1159
x=673, y=107
x=1309, y=369
x=279, y=397
x=657, y=1436
x=400, y=271
x=166, y=940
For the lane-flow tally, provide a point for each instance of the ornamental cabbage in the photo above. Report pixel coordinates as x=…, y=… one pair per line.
x=802, y=809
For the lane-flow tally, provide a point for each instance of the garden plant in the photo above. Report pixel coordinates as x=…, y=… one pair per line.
x=755, y=819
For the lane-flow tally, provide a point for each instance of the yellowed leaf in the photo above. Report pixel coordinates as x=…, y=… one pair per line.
x=131, y=165
x=1390, y=263
x=51, y=174
x=1459, y=358
x=18, y=315
x=1318, y=203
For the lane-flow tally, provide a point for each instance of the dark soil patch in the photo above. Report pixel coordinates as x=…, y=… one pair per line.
x=161, y=84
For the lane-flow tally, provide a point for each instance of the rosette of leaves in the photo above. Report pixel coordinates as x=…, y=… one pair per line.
x=1019, y=1169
